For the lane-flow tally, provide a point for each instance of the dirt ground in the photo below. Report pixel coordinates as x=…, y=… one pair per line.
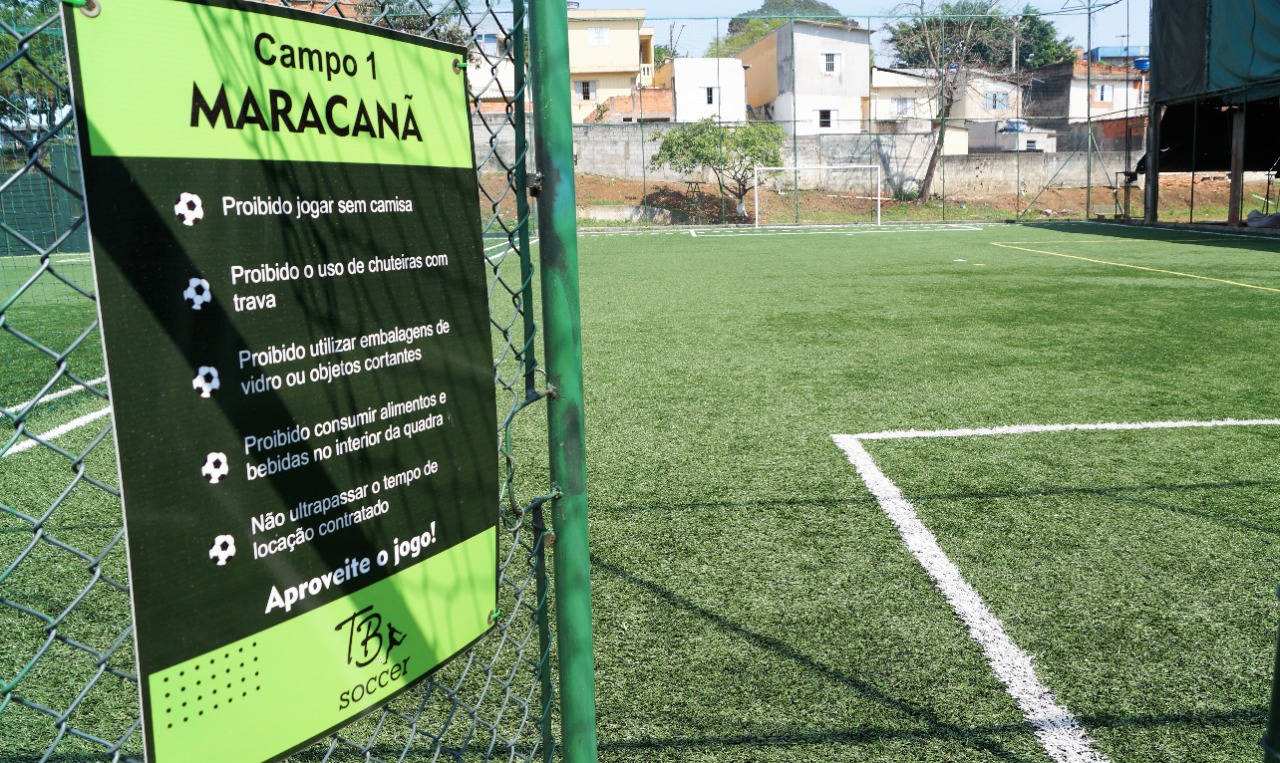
x=1176, y=198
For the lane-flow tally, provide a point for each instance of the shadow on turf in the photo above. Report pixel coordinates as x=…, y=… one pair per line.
x=972, y=736
x=784, y=738
x=1230, y=238
x=937, y=728
x=1122, y=494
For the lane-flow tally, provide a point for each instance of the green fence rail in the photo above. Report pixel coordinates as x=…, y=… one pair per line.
x=68, y=689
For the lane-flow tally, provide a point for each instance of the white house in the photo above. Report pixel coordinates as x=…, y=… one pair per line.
x=811, y=77
x=705, y=87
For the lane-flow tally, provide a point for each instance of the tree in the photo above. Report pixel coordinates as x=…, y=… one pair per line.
x=751, y=31
x=951, y=41
x=752, y=26
x=731, y=152
x=446, y=20
x=1038, y=42
x=784, y=9
x=31, y=88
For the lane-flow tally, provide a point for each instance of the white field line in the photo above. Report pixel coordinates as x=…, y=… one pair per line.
x=505, y=246
x=840, y=232
x=1056, y=728
x=908, y=434
x=58, y=394
x=59, y=431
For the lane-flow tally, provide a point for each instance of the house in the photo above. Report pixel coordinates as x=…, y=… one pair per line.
x=705, y=87
x=811, y=77
x=902, y=101
x=1119, y=55
x=610, y=53
x=906, y=101
x=491, y=73
x=642, y=104
x=1072, y=92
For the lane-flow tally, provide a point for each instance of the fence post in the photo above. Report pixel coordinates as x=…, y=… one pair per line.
x=1270, y=752
x=562, y=329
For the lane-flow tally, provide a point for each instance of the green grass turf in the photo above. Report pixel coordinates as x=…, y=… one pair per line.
x=1138, y=567
x=752, y=601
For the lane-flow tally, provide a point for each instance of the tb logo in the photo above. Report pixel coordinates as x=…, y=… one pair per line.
x=369, y=637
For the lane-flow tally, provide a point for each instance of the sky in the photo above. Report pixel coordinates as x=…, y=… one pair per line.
x=695, y=22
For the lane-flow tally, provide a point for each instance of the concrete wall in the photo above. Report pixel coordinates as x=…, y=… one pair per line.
x=624, y=150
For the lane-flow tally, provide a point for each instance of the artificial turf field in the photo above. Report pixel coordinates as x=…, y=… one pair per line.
x=755, y=599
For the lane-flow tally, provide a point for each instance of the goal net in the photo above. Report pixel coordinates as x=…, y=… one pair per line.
x=838, y=194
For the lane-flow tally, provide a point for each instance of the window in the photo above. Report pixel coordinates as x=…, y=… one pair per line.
x=1104, y=93
x=901, y=107
x=711, y=95
x=598, y=36
x=997, y=101
x=1031, y=145
x=830, y=63
x=584, y=90
x=487, y=43
x=826, y=117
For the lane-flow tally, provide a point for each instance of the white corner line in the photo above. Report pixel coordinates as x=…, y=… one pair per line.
x=910, y=434
x=1057, y=729
x=57, y=432
x=60, y=393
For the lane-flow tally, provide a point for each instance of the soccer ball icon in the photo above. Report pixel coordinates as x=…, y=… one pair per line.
x=224, y=547
x=189, y=209
x=197, y=293
x=215, y=467
x=206, y=381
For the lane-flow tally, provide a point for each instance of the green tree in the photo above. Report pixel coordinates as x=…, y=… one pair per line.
x=731, y=152
x=446, y=20
x=1038, y=41
x=976, y=34
x=954, y=39
x=30, y=88
x=784, y=9
x=752, y=26
x=750, y=32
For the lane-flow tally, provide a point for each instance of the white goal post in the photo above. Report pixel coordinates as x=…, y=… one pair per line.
x=877, y=191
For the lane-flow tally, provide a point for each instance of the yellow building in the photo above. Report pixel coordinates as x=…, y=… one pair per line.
x=610, y=53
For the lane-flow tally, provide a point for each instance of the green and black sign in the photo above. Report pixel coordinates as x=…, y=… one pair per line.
x=293, y=299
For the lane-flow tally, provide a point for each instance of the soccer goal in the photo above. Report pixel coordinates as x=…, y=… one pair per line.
x=833, y=194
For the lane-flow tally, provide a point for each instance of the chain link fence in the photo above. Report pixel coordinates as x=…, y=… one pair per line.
x=995, y=116
x=68, y=689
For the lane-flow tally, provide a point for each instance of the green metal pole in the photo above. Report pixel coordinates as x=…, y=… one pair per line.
x=519, y=26
x=1270, y=740
x=519, y=54
x=1088, y=117
x=562, y=329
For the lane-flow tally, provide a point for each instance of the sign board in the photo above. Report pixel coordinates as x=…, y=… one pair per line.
x=293, y=299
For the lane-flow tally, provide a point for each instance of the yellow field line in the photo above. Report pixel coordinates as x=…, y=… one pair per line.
x=1138, y=267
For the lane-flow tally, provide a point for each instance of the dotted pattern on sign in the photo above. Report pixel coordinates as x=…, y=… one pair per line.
x=200, y=687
